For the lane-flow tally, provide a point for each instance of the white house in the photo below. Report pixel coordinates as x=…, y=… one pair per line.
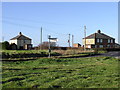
x=21, y=41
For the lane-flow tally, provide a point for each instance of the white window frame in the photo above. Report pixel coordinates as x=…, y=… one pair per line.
x=108, y=40
x=89, y=41
x=101, y=40
x=98, y=40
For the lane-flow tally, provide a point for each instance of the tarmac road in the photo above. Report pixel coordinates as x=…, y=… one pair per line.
x=112, y=54
x=115, y=54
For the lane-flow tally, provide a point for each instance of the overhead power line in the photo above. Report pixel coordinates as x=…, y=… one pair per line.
x=65, y=39
x=17, y=24
x=29, y=26
x=34, y=21
x=29, y=20
x=51, y=31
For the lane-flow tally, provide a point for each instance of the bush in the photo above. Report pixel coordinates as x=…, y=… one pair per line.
x=5, y=45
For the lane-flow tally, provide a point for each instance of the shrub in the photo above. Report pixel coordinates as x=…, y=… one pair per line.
x=5, y=45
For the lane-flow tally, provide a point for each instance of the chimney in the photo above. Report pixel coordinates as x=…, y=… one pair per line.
x=98, y=31
x=20, y=33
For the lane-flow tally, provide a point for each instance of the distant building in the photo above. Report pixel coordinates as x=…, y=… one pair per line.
x=52, y=44
x=21, y=41
x=99, y=40
x=76, y=45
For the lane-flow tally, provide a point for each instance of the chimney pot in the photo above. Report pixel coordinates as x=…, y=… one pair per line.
x=20, y=33
x=98, y=31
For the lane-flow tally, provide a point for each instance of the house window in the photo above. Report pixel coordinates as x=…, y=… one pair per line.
x=98, y=40
x=101, y=46
x=108, y=40
x=95, y=46
x=89, y=41
x=108, y=45
x=101, y=40
x=111, y=40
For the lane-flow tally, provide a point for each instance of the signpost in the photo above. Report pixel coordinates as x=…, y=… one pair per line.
x=51, y=40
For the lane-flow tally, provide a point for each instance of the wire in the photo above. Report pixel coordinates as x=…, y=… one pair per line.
x=28, y=26
x=23, y=25
x=55, y=32
x=61, y=36
x=29, y=20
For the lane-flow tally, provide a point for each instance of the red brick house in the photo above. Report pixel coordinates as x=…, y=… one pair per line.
x=99, y=40
x=76, y=45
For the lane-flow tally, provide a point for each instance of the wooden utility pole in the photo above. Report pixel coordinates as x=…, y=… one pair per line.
x=41, y=39
x=85, y=37
x=72, y=40
x=2, y=38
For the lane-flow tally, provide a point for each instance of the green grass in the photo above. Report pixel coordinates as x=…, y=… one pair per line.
x=18, y=54
x=95, y=72
x=23, y=51
x=33, y=54
x=14, y=52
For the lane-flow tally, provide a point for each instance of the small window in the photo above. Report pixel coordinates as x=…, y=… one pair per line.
x=98, y=40
x=101, y=40
x=95, y=46
x=111, y=40
x=108, y=45
x=101, y=46
x=108, y=40
x=89, y=41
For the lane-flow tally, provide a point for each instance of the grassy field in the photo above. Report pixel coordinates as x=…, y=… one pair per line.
x=33, y=54
x=18, y=54
x=95, y=72
x=22, y=51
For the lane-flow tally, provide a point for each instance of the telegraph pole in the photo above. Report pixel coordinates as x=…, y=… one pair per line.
x=85, y=37
x=72, y=40
x=41, y=40
x=2, y=38
x=69, y=40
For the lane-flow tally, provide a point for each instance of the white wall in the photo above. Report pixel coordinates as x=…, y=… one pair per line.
x=20, y=42
x=13, y=41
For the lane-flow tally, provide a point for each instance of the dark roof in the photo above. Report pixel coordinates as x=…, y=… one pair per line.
x=52, y=38
x=99, y=35
x=117, y=44
x=20, y=36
